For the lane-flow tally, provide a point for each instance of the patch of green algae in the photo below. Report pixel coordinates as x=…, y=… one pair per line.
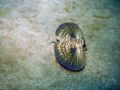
x=7, y=62
x=4, y=11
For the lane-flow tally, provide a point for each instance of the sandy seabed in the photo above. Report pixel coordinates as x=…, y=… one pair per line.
x=27, y=59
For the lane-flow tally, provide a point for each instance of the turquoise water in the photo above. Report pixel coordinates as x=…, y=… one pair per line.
x=27, y=59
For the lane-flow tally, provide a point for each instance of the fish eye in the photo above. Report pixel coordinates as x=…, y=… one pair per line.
x=84, y=47
x=57, y=40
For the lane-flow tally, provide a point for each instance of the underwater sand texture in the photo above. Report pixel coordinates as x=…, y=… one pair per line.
x=27, y=60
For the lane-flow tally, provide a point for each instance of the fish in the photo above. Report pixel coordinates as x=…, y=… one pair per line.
x=70, y=47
